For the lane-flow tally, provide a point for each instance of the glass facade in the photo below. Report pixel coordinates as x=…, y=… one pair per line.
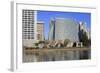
x=63, y=29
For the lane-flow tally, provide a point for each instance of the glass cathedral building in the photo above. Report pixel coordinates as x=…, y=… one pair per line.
x=61, y=29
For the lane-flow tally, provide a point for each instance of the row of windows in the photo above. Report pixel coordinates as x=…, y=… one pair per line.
x=28, y=18
x=28, y=11
x=30, y=28
x=28, y=34
x=28, y=24
x=28, y=37
x=28, y=31
x=27, y=14
x=28, y=21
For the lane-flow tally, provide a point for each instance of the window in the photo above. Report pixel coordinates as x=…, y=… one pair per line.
x=28, y=24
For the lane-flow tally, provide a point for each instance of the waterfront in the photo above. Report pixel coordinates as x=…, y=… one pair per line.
x=56, y=38
x=56, y=54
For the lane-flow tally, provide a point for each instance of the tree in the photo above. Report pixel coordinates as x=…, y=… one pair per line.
x=66, y=42
x=83, y=38
x=36, y=45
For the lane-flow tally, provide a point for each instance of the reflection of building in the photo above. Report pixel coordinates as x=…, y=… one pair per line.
x=40, y=30
x=61, y=29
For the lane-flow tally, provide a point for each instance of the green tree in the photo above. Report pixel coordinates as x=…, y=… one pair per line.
x=66, y=42
x=36, y=45
x=85, y=39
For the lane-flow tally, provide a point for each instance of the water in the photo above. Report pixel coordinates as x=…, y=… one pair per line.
x=55, y=55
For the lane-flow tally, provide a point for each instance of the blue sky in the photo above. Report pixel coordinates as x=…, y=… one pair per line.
x=46, y=16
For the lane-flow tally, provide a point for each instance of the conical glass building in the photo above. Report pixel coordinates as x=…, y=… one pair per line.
x=52, y=30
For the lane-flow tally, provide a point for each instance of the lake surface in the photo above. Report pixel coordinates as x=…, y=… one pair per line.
x=44, y=55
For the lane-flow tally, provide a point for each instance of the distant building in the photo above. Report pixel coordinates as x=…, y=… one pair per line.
x=61, y=29
x=40, y=30
x=82, y=27
x=52, y=30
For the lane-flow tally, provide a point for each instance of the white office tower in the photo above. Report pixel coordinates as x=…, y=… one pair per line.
x=61, y=29
x=28, y=27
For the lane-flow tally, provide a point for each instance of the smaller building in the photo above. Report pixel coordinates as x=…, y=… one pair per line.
x=40, y=30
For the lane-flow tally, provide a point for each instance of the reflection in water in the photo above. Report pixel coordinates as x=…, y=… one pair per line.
x=42, y=56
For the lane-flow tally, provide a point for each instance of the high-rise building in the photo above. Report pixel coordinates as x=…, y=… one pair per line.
x=29, y=27
x=32, y=30
x=52, y=30
x=40, y=30
x=61, y=29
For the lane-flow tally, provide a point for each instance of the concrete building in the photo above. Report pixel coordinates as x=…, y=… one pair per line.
x=32, y=30
x=40, y=30
x=61, y=29
x=29, y=27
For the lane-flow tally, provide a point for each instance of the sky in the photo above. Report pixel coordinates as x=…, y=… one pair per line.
x=46, y=16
